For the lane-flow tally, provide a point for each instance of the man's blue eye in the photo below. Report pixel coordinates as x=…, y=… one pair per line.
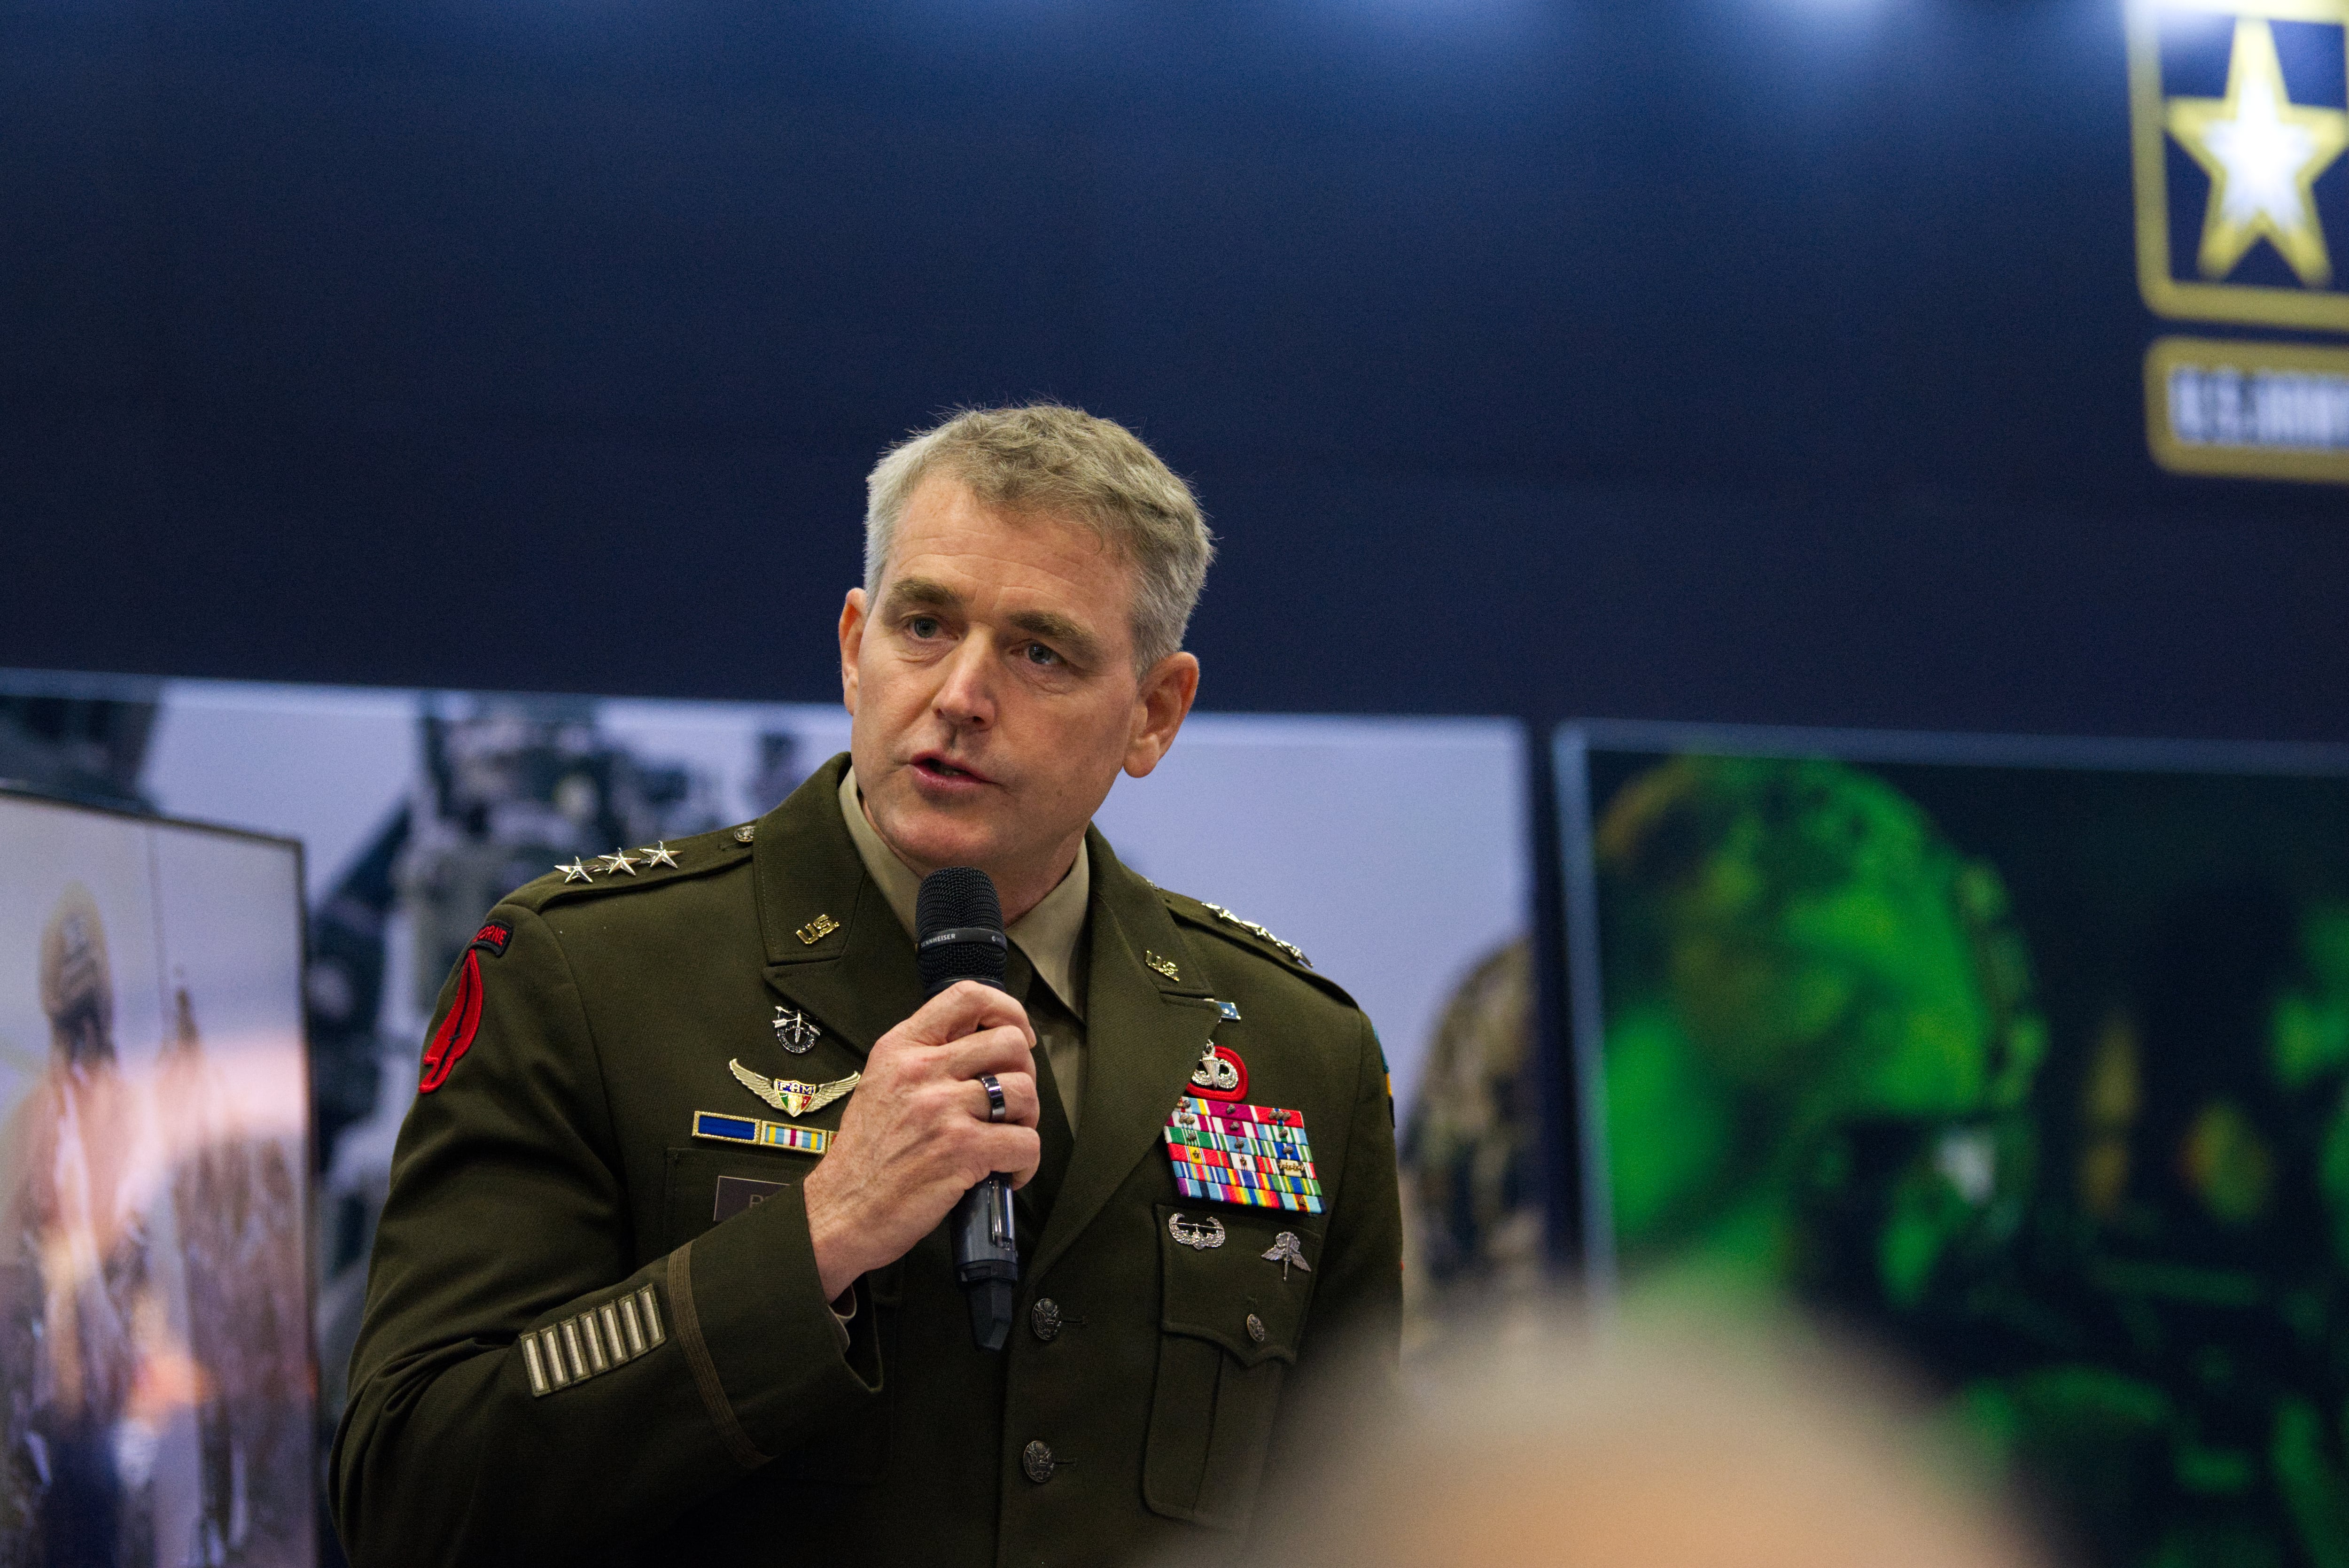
x=1037, y=653
x=923, y=626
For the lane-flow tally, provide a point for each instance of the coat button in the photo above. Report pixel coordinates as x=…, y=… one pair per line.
x=1036, y=1460
x=1255, y=1329
x=1045, y=1319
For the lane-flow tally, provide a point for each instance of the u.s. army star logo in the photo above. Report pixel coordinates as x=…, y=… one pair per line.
x=2239, y=115
x=2238, y=108
x=789, y=1096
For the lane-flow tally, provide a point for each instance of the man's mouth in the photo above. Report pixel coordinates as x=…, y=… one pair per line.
x=931, y=766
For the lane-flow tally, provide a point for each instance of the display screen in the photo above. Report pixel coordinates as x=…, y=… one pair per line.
x=2029, y=1064
x=1391, y=852
x=157, y=1395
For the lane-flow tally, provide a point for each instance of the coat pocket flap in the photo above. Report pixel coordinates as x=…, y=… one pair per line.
x=1238, y=1279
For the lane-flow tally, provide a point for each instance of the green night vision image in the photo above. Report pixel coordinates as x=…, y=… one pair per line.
x=2037, y=1077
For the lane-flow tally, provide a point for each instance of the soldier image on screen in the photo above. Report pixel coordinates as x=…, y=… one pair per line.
x=508, y=786
x=236, y=1199
x=2118, y=1240
x=74, y=1279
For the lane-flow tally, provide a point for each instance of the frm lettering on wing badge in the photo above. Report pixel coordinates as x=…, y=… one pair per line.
x=2239, y=125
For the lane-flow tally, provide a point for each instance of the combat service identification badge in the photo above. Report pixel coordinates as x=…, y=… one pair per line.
x=1256, y=1155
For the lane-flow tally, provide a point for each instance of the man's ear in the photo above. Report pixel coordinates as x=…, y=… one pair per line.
x=1159, y=708
x=852, y=641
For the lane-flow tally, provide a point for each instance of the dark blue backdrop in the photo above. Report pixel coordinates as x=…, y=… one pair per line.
x=1771, y=360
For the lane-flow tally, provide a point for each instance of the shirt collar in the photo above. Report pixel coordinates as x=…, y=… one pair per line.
x=1047, y=933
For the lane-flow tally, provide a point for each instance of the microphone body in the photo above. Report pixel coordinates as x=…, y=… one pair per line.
x=959, y=935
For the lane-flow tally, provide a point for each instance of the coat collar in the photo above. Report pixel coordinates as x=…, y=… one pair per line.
x=834, y=947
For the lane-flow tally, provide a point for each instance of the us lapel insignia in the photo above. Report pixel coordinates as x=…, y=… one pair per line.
x=1201, y=1234
x=816, y=930
x=1220, y=1075
x=789, y=1096
x=1287, y=1249
x=1256, y=1155
x=793, y=1032
x=1165, y=966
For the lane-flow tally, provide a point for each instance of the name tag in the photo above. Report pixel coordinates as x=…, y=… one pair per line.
x=736, y=1194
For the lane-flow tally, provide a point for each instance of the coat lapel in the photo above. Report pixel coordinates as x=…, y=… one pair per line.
x=1143, y=1034
x=835, y=949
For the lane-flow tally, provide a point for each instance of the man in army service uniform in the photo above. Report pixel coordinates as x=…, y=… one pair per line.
x=663, y=1275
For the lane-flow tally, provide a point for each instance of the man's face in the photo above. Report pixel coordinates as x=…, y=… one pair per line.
x=992, y=684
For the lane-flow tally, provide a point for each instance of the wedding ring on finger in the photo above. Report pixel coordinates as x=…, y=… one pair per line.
x=996, y=1110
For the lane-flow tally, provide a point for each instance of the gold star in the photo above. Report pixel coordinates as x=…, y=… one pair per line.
x=577, y=871
x=658, y=855
x=2262, y=153
x=618, y=860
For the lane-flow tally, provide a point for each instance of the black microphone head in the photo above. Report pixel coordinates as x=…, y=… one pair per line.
x=958, y=928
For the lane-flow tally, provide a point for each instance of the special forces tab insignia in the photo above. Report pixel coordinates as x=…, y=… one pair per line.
x=789, y=1096
x=793, y=1032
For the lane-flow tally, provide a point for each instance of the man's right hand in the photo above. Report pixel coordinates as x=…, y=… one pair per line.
x=916, y=1135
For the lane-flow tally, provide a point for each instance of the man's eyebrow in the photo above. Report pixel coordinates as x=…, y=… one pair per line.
x=1058, y=630
x=907, y=592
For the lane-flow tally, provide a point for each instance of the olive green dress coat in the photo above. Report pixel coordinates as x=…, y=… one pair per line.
x=569, y=1357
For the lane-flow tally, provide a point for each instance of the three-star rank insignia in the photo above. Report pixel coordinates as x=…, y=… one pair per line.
x=2239, y=124
x=794, y=1031
x=790, y=1096
x=1256, y=1155
x=618, y=860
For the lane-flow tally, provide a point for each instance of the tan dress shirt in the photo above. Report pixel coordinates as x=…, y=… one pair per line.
x=1049, y=936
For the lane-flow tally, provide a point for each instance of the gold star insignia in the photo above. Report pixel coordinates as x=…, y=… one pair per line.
x=2264, y=153
x=577, y=871
x=658, y=855
x=618, y=860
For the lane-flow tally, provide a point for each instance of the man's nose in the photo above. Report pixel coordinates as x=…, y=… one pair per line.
x=966, y=695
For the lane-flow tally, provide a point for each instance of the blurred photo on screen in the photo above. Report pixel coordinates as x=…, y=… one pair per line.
x=154, y=1273
x=2028, y=1062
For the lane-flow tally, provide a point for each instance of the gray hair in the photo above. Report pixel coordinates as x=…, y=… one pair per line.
x=1048, y=460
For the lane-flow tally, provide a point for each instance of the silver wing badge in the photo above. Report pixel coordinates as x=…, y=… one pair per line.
x=789, y=1096
x=1285, y=1250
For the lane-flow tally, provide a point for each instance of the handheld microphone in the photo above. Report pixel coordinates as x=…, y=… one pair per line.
x=959, y=935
